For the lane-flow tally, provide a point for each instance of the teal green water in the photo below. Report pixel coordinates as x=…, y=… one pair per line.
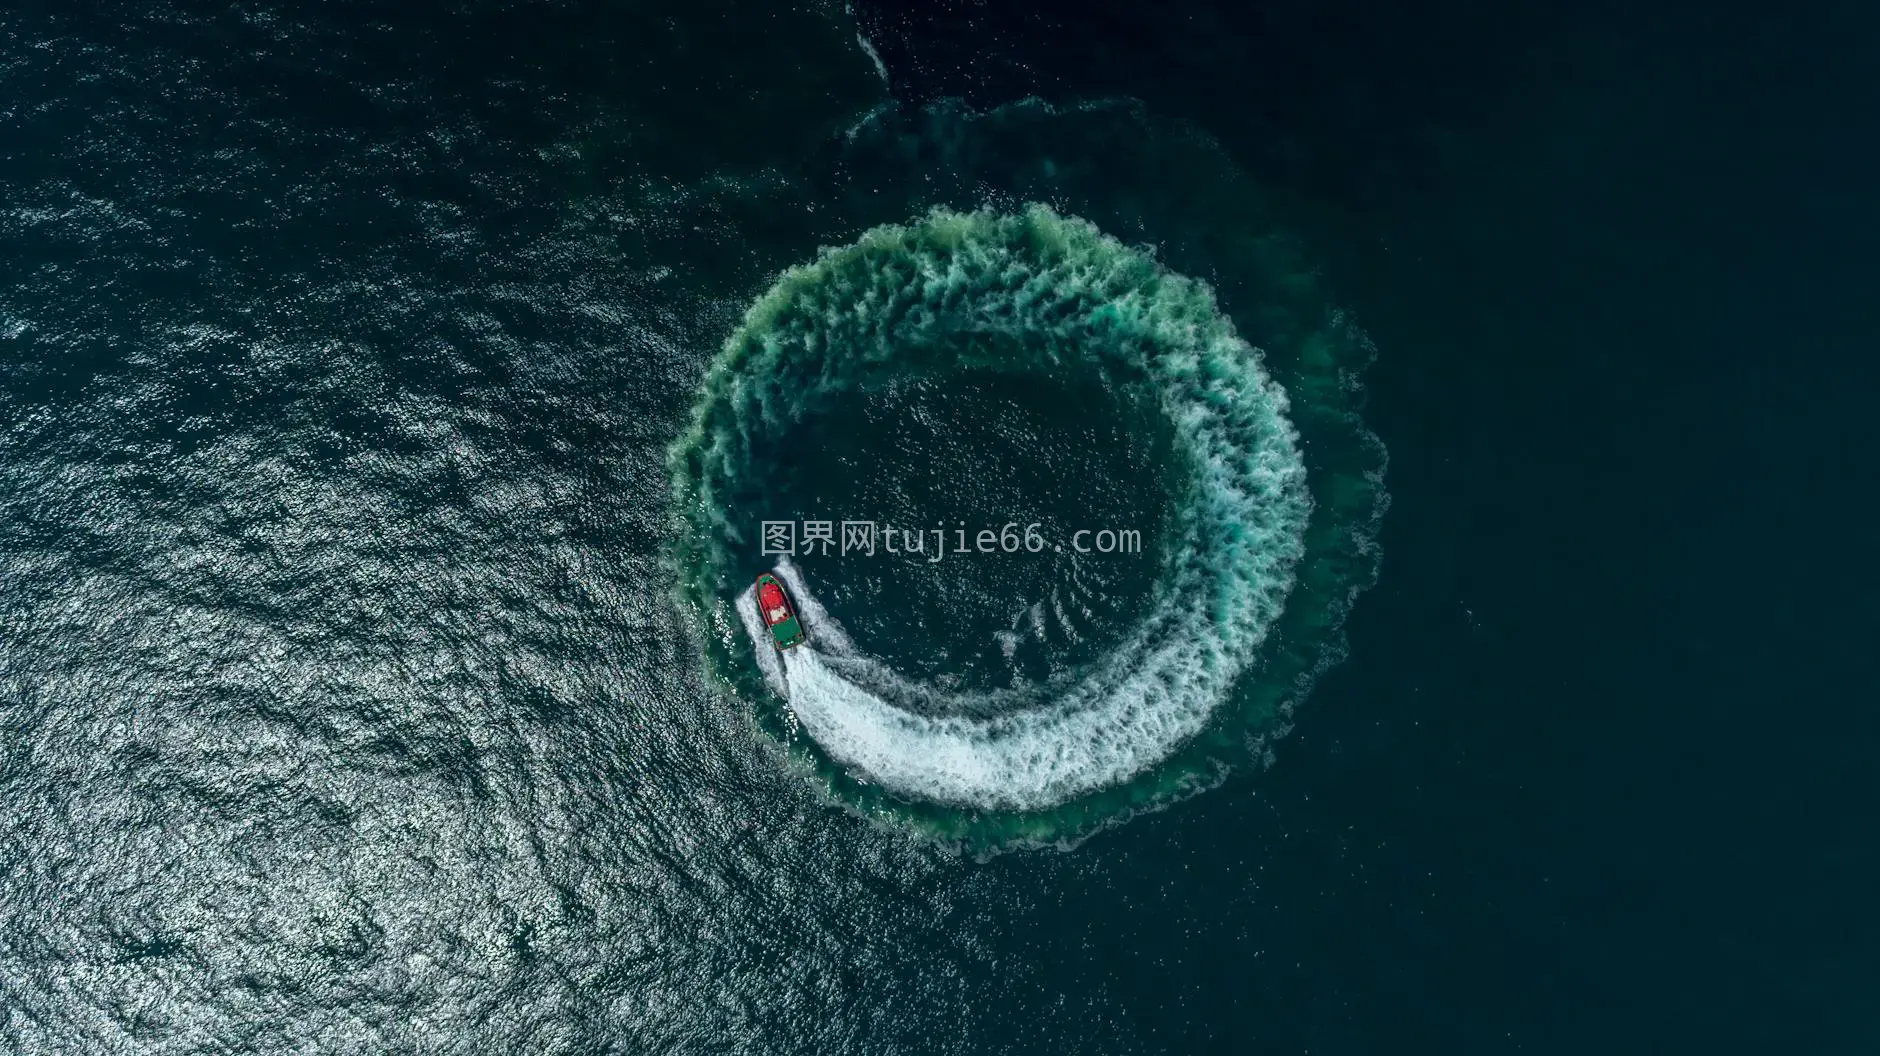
x=1137, y=699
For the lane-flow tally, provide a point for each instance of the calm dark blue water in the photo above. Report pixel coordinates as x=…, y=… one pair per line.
x=367, y=684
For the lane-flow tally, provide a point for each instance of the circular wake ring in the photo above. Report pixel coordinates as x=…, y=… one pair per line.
x=907, y=299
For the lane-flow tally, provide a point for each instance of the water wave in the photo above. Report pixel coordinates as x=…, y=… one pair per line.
x=909, y=299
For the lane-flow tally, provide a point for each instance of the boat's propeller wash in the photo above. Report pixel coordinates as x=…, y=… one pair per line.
x=879, y=305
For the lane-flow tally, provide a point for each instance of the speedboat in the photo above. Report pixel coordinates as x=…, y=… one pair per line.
x=779, y=614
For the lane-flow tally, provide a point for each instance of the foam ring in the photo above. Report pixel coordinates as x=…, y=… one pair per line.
x=894, y=302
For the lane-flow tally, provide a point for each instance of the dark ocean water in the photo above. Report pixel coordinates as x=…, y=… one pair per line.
x=349, y=706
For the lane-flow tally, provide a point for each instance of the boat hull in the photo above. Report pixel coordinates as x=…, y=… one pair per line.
x=779, y=615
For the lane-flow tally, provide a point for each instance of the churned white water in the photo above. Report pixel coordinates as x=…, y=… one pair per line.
x=1238, y=540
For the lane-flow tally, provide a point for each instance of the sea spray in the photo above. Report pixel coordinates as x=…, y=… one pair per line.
x=899, y=300
x=1148, y=182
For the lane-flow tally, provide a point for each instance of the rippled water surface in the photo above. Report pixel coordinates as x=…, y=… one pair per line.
x=346, y=711
x=367, y=684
